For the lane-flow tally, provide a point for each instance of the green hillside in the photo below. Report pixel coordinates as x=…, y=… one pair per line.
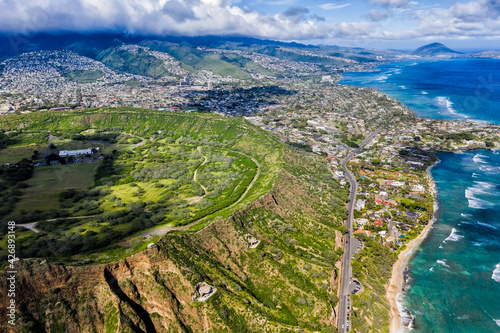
x=139, y=63
x=194, y=59
x=82, y=76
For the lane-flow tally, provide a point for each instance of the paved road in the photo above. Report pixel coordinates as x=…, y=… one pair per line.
x=346, y=275
x=356, y=127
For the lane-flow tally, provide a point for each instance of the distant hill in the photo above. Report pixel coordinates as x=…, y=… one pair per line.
x=91, y=44
x=434, y=49
x=240, y=58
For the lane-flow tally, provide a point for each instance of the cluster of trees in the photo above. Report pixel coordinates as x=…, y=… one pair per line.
x=413, y=205
x=104, y=170
x=350, y=141
x=109, y=137
x=19, y=172
x=301, y=146
x=4, y=140
x=458, y=136
x=9, y=196
x=173, y=170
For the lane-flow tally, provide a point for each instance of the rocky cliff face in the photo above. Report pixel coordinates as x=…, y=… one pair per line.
x=284, y=284
x=144, y=293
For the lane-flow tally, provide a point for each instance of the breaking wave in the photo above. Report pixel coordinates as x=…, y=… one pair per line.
x=454, y=236
x=487, y=225
x=446, y=104
x=479, y=159
x=442, y=262
x=496, y=273
x=406, y=317
x=475, y=202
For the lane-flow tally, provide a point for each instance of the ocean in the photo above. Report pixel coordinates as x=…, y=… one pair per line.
x=452, y=89
x=455, y=273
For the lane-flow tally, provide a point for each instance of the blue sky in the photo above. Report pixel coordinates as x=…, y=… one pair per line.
x=403, y=24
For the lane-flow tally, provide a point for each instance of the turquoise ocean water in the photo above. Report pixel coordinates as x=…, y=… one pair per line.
x=455, y=273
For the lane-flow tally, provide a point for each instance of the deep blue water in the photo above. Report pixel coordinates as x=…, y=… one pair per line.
x=455, y=284
x=452, y=89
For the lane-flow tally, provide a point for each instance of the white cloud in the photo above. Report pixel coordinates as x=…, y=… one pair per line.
x=462, y=20
x=475, y=18
x=479, y=18
x=163, y=17
x=332, y=6
x=379, y=15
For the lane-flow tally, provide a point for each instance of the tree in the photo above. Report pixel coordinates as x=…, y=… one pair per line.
x=35, y=155
x=342, y=229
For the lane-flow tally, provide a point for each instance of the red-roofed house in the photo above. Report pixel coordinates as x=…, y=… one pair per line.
x=378, y=223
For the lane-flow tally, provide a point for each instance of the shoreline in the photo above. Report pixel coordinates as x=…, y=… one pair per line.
x=397, y=281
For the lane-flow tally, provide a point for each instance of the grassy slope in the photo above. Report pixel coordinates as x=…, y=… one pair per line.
x=140, y=63
x=49, y=181
x=83, y=76
x=372, y=267
x=195, y=59
x=15, y=154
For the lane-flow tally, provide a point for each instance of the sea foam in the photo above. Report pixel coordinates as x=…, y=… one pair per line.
x=443, y=262
x=475, y=202
x=479, y=159
x=485, y=185
x=487, y=225
x=496, y=273
x=488, y=168
x=447, y=105
x=454, y=236
x=406, y=317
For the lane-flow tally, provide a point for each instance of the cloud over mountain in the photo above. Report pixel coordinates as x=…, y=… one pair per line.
x=237, y=17
x=176, y=17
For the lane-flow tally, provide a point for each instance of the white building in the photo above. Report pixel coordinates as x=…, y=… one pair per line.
x=66, y=153
x=360, y=205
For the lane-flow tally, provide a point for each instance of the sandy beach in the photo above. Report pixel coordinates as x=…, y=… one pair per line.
x=396, y=282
